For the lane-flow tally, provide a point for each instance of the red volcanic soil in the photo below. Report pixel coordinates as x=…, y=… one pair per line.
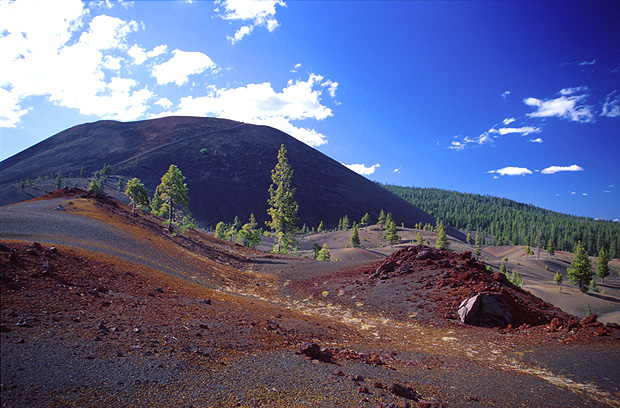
x=431, y=283
x=190, y=320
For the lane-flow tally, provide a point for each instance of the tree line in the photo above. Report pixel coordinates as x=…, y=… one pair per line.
x=501, y=221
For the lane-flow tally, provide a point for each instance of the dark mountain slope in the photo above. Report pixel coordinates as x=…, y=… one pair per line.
x=227, y=166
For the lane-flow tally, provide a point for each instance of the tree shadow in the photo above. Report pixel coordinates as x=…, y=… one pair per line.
x=603, y=297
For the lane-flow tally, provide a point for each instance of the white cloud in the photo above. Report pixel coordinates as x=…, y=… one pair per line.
x=182, y=64
x=584, y=194
x=456, y=146
x=331, y=87
x=573, y=192
x=611, y=107
x=363, y=169
x=140, y=55
x=523, y=131
x=568, y=106
x=164, y=103
x=259, y=13
x=45, y=53
x=512, y=171
x=508, y=121
x=582, y=63
x=537, y=140
x=505, y=94
x=397, y=171
x=261, y=104
x=557, y=169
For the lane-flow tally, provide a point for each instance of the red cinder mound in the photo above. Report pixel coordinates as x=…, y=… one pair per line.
x=449, y=279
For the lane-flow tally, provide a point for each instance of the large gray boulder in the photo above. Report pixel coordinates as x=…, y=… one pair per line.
x=485, y=309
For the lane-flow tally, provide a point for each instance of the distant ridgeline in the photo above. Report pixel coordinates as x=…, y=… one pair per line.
x=506, y=222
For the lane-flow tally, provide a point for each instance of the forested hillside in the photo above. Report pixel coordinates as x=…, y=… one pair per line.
x=506, y=222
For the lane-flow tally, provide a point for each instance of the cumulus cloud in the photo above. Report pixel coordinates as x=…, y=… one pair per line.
x=254, y=13
x=51, y=51
x=261, y=104
x=363, y=169
x=557, y=169
x=568, y=106
x=511, y=171
x=139, y=55
x=182, y=64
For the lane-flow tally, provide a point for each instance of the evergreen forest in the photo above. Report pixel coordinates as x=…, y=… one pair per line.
x=501, y=221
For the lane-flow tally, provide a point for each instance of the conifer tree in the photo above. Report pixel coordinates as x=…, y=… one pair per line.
x=551, y=247
x=249, y=235
x=323, y=254
x=558, y=278
x=442, y=239
x=468, y=239
x=502, y=268
x=173, y=192
x=137, y=194
x=345, y=223
x=602, y=269
x=419, y=239
x=381, y=220
x=315, y=249
x=580, y=271
x=355, y=238
x=321, y=228
x=283, y=208
x=220, y=230
x=391, y=233
x=478, y=247
x=365, y=220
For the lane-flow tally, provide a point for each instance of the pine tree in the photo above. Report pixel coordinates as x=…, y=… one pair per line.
x=345, y=223
x=419, y=239
x=59, y=181
x=315, y=249
x=468, y=239
x=381, y=220
x=391, y=235
x=502, y=268
x=551, y=247
x=557, y=278
x=323, y=254
x=365, y=220
x=442, y=239
x=602, y=269
x=321, y=228
x=249, y=235
x=283, y=208
x=173, y=192
x=355, y=238
x=580, y=271
x=220, y=230
x=137, y=194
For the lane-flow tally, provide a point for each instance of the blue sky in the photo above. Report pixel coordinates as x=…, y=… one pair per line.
x=511, y=99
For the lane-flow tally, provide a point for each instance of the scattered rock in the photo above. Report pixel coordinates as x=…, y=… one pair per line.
x=405, y=392
x=485, y=309
x=363, y=390
x=356, y=378
x=160, y=290
x=4, y=329
x=311, y=350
